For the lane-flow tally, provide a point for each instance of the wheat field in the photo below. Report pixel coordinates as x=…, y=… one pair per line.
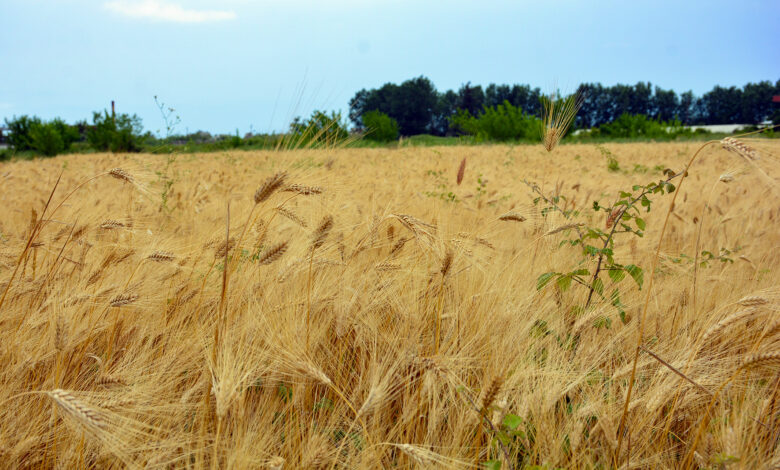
x=358, y=308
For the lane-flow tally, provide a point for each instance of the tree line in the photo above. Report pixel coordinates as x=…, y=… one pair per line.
x=419, y=108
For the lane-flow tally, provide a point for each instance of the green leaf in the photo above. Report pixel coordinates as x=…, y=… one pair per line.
x=641, y=223
x=637, y=273
x=512, y=421
x=564, y=282
x=616, y=274
x=580, y=272
x=492, y=465
x=544, y=279
x=598, y=286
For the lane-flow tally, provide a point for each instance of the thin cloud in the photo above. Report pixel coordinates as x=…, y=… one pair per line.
x=162, y=11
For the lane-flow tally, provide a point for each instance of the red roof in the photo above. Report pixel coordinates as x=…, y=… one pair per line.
x=776, y=99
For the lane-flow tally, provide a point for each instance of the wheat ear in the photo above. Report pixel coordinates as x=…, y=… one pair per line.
x=269, y=187
x=77, y=408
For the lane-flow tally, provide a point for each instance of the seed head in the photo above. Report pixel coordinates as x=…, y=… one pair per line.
x=512, y=216
x=269, y=186
x=121, y=174
x=740, y=148
x=321, y=234
x=304, y=190
x=461, y=171
x=161, y=256
x=273, y=253
x=557, y=116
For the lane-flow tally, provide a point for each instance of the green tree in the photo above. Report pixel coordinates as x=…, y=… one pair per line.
x=68, y=133
x=503, y=122
x=117, y=134
x=722, y=105
x=46, y=138
x=412, y=104
x=380, y=127
x=20, y=128
x=665, y=104
x=471, y=98
x=320, y=129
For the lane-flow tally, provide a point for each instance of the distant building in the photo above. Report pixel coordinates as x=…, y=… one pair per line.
x=4, y=131
x=776, y=99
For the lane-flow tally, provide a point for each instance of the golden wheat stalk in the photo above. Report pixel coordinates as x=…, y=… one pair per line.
x=491, y=392
x=108, y=380
x=269, y=187
x=161, y=256
x=513, y=217
x=372, y=400
x=312, y=371
x=752, y=301
x=461, y=171
x=111, y=224
x=762, y=359
x=387, y=266
x=77, y=409
x=740, y=148
x=304, y=190
x=563, y=227
x=557, y=116
x=59, y=334
x=273, y=253
x=224, y=248
x=275, y=463
x=123, y=299
x=722, y=325
x=446, y=263
x=419, y=455
x=398, y=245
x=321, y=233
x=726, y=178
x=121, y=174
x=290, y=215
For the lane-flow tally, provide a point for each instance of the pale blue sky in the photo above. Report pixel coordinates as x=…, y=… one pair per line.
x=234, y=63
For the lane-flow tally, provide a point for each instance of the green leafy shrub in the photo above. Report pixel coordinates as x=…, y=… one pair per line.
x=69, y=134
x=45, y=138
x=503, y=122
x=20, y=128
x=120, y=134
x=380, y=127
x=639, y=125
x=319, y=130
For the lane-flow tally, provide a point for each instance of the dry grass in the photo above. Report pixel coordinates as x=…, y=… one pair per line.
x=366, y=324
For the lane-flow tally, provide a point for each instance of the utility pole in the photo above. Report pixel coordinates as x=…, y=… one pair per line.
x=113, y=113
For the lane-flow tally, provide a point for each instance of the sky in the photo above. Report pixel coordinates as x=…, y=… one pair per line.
x=254, y=65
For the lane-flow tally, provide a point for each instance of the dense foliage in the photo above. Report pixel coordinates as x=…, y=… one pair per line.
x=47, y=138
x=638, y=126
x=420, y=108
x=380, y=127
x=320, y=129
x=499, y=123
x=120, y=133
